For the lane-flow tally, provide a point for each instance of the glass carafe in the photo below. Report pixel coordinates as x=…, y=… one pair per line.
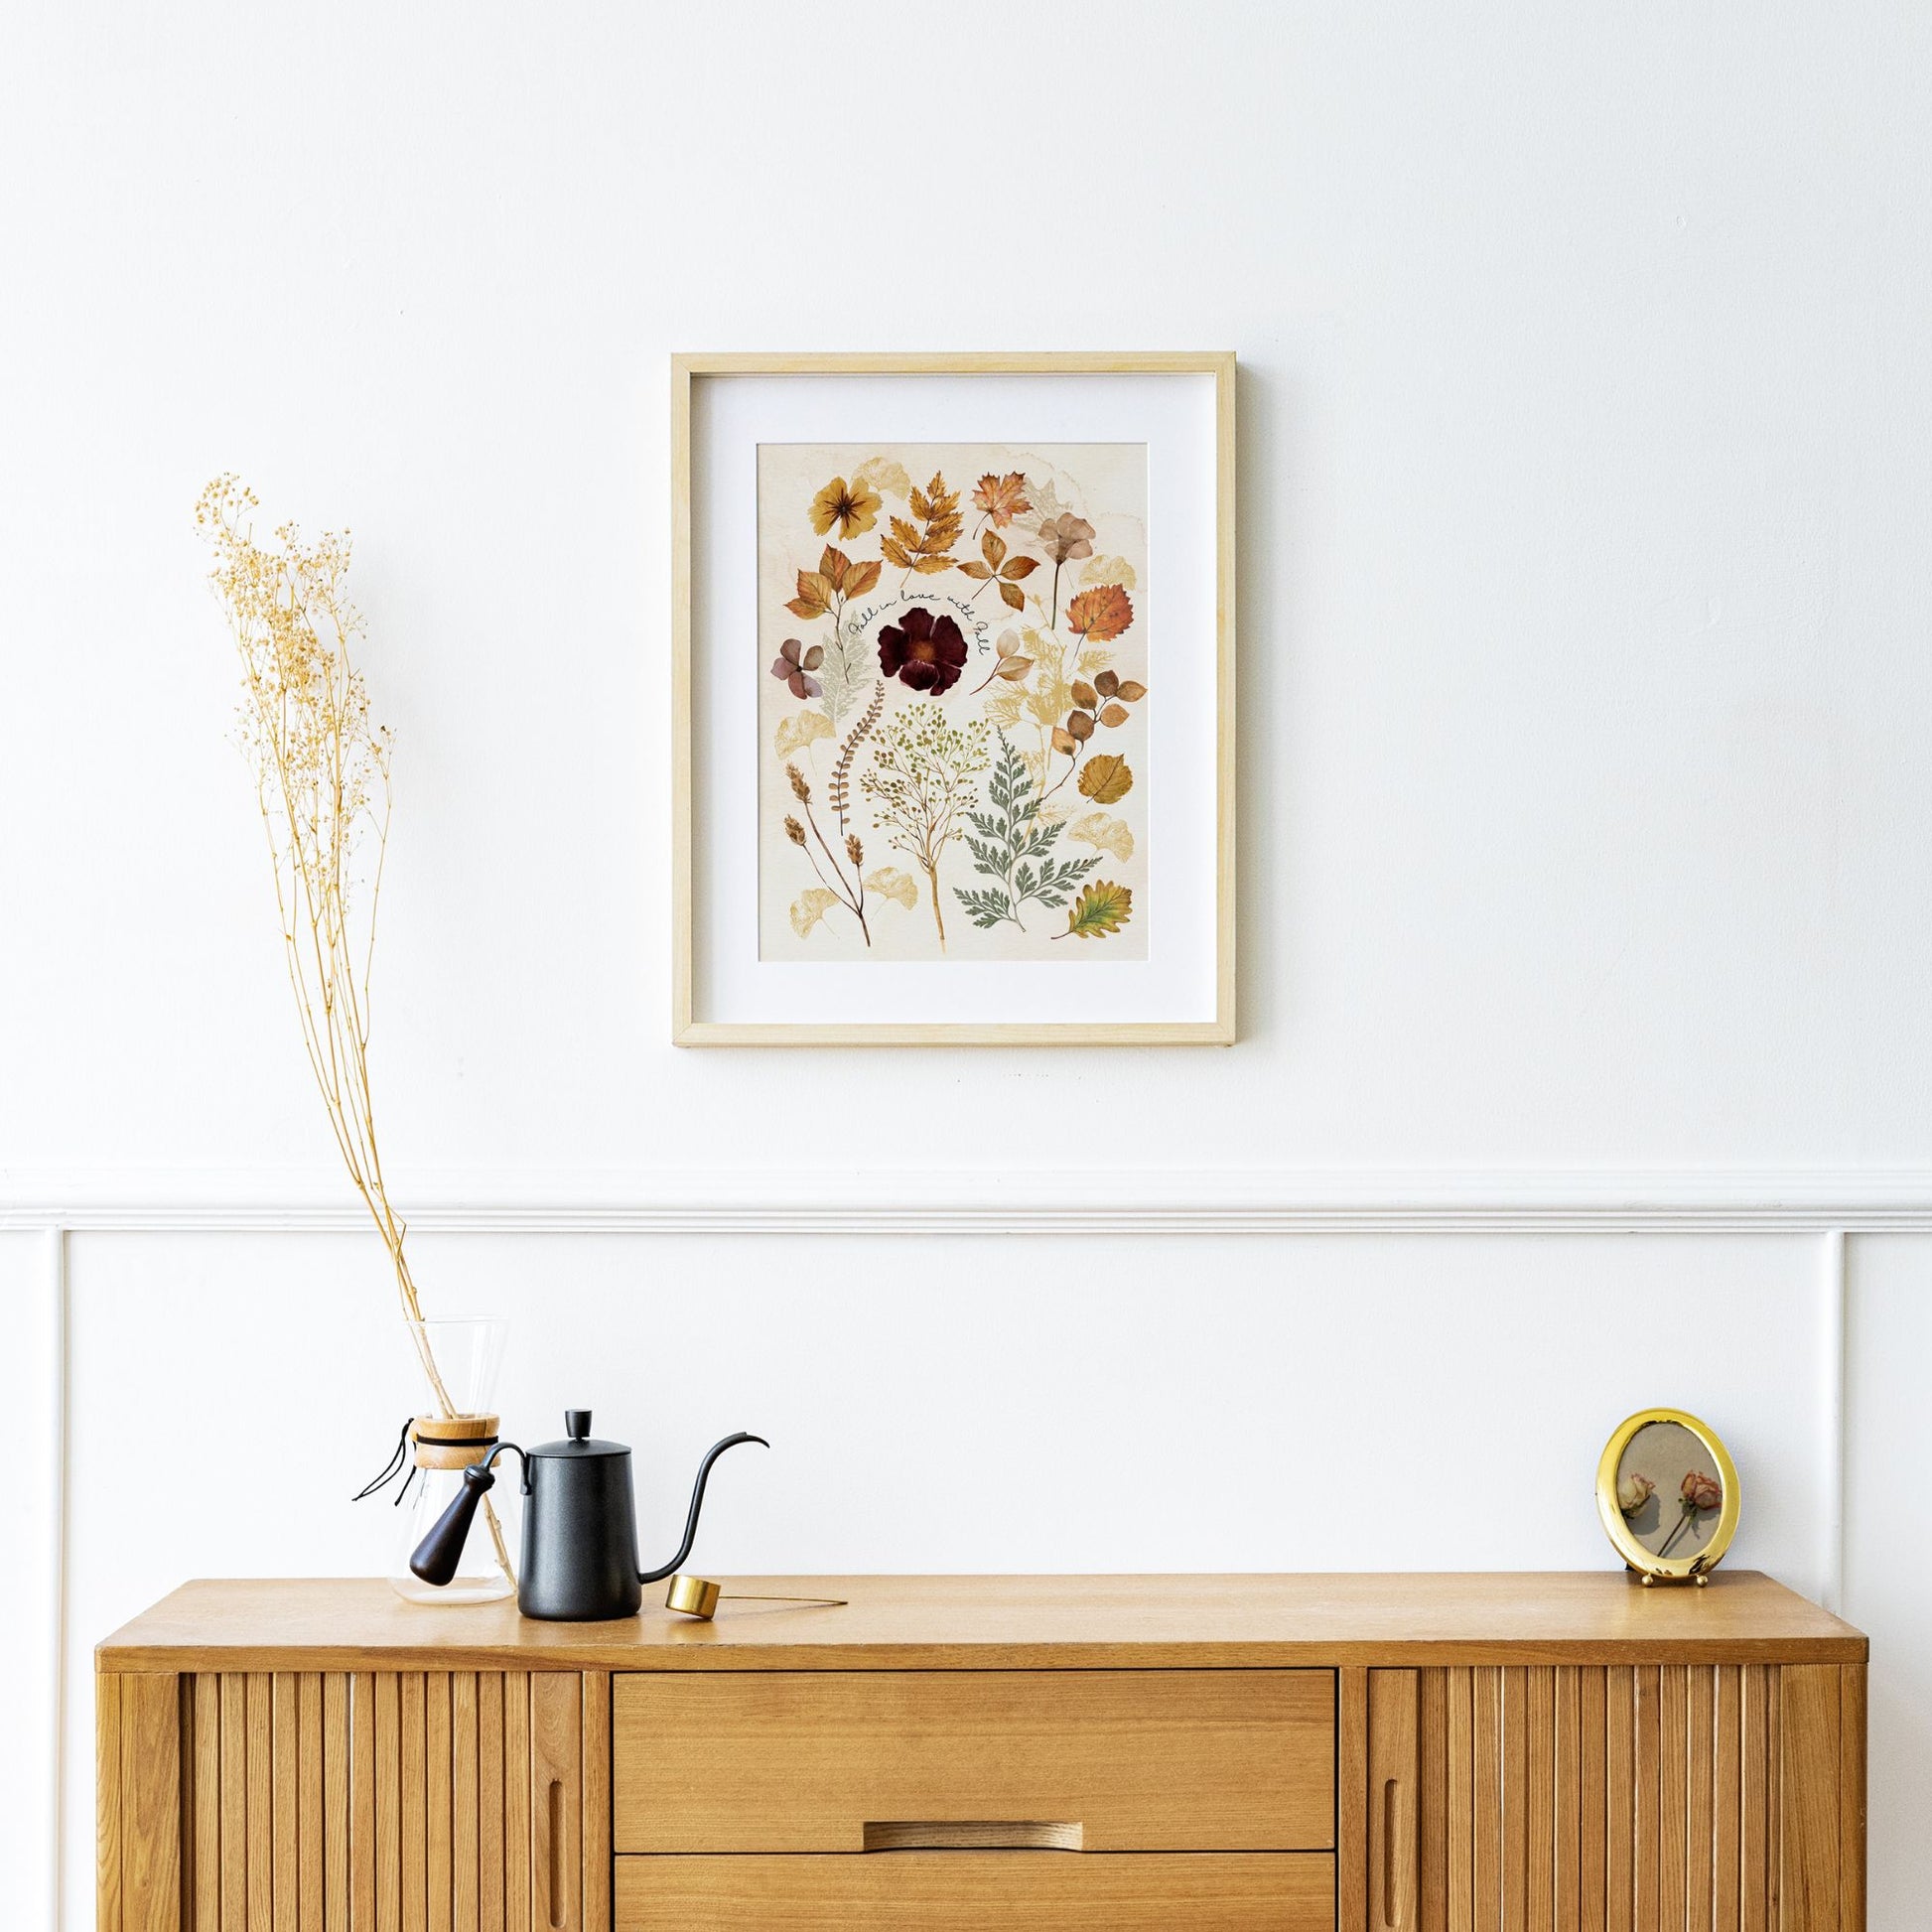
x=460, y=1360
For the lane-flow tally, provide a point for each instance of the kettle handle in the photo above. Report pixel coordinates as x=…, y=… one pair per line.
x=697, y=1503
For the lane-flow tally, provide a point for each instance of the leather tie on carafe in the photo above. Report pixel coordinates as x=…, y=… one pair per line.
x=433, y=1442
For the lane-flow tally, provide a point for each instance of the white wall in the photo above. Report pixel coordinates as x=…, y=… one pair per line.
x=1584, y=594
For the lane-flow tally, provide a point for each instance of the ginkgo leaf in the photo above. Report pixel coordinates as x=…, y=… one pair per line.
x=799, y=730
x=891, y=883
x=1107, y=833
x=883, y=474
x=810, y=906
x=1106, y=779
x=1102, y=909
x=1109, y=570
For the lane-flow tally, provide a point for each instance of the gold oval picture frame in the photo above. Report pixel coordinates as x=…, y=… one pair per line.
x=1662, y=1520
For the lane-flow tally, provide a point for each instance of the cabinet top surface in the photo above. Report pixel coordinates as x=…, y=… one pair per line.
x=1007, y=1622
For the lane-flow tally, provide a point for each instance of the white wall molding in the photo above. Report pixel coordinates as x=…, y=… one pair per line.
x=1144, y=1201
x=1833, y=1351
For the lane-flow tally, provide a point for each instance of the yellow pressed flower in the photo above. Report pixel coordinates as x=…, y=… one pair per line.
x=851, y=505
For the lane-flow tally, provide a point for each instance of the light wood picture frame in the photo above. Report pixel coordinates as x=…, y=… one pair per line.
x=806, y=911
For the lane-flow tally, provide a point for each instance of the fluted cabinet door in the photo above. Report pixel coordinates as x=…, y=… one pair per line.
x=1582, y=1798
x=360, y=1801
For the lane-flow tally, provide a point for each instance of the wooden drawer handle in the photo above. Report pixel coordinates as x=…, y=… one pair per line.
x=948, y=1835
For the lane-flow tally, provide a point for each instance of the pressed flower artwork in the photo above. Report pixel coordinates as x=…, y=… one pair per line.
x=953, y=702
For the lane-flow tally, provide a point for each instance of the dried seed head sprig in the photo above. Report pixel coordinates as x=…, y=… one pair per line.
x=322, y=786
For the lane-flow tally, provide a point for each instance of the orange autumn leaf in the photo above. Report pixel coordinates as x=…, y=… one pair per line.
x=814, y=599
x=1002, y=498
x=1101, y=613
x=1106, y=780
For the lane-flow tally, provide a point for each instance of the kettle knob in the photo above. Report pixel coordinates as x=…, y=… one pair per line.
x=577, y=1424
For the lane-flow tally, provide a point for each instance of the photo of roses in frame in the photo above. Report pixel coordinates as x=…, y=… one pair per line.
x=1667, y=1494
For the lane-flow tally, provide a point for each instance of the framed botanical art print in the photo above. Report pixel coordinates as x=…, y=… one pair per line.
x=955, y=699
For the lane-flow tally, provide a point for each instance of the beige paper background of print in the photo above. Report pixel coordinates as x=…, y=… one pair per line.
x=874, y=525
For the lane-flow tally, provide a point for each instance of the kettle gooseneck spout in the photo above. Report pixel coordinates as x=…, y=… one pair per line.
x=697, y=1503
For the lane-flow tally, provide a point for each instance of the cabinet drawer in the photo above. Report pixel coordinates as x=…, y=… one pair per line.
x=967, y=1892
x=1202, y=1760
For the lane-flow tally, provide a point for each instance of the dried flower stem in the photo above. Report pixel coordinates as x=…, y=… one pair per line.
x=322, y=783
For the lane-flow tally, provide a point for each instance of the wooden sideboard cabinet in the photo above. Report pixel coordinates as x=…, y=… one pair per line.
x=1372, y=1753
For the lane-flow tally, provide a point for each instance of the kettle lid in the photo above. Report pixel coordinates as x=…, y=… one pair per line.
x=578, y=1441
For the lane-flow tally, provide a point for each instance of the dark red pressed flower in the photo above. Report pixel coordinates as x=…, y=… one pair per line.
x=924, y=649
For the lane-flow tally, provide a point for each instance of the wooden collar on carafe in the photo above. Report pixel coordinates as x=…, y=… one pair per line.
x=453, y=1442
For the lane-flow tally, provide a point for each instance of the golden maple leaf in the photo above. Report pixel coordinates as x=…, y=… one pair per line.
x=1002, y=498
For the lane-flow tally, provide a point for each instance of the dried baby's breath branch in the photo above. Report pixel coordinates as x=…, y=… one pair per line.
x=322, y=784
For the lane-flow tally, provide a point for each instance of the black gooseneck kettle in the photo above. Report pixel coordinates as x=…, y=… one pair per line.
x=580, y=1526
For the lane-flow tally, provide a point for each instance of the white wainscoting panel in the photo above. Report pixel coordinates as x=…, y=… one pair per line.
x=32, y=1621
x=1888, y=1556
x=1071, y=1400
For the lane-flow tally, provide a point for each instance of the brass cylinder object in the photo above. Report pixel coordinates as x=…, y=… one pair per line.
x=693, y=1596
